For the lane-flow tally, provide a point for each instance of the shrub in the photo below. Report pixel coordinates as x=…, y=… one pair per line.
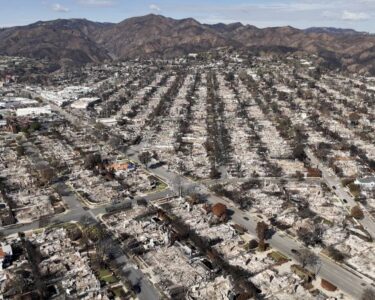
x=357, y=213
x=335, y=254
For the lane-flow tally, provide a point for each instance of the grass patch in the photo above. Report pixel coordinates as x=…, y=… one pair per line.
x=161, y=186
x=37, y=231
x=68, y=226
x=106, y=275
x=328, y=222
x=278, y=257
x=119, y=292
x=110, y=279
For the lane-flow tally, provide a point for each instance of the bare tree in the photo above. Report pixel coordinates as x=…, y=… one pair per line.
x=335, y=254
x=94, y=233
x=307, y=258
x=310, y=237
x=262, y=230
x=145, y=158
x=105, y=251
x=177, y=185
x=188, y=190
x=115, y=142
x=357, y=213
x=92, y=160
x=46, y=174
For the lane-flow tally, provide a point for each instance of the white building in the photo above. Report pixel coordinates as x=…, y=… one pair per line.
x=66, y=95
x=107, y=121
x=19, y=101
x=366, y=182
x=84, y=103
x=33, y=111
x=54, y=97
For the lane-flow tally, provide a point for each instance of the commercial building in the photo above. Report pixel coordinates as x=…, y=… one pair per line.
x=84, y=103
x=33, y=111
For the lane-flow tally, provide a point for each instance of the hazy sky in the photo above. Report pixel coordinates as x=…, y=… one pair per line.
x=356, y=14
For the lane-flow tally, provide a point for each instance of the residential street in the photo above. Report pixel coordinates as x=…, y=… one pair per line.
x=338, y=275
x=335, y=184
x=331, y=271
x=77, y=213
x=160, y=158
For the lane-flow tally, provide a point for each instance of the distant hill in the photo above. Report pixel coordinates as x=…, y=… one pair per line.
x=66, y=42
x=157, y=36
x=332, y=30
x=78, y=41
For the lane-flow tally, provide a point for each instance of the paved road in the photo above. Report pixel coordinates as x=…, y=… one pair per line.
x=265, y=179
x=343, y=278
x=335, y=273
x=76, y=212
x=327, y=269
x=135, y=276
x=334, y=182
x=130, y=273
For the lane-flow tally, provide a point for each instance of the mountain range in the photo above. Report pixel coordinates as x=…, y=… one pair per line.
x=79, y=41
